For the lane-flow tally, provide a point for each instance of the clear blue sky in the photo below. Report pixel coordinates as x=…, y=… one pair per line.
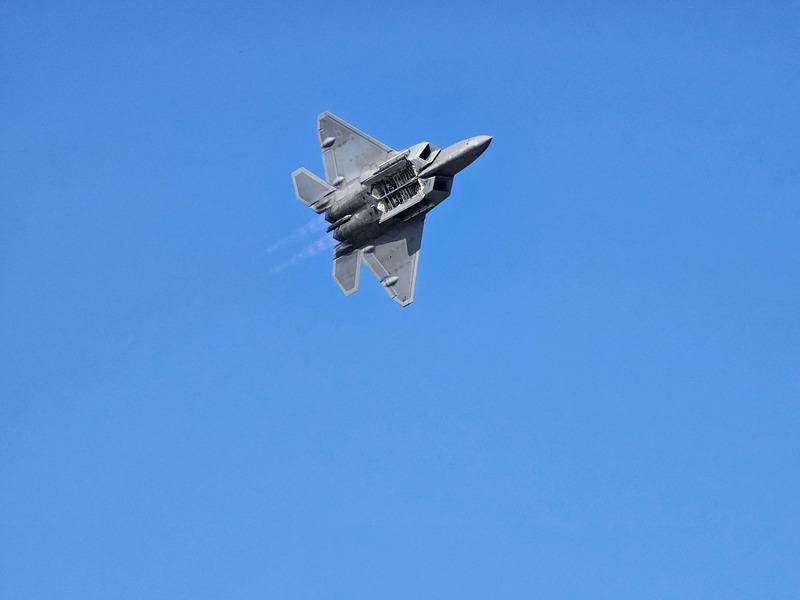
x=596, y=393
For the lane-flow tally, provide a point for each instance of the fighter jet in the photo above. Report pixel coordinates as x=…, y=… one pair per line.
x=376, y=199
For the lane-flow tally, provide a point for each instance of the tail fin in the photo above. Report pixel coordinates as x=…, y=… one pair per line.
x=345, y=271
x=311, y=190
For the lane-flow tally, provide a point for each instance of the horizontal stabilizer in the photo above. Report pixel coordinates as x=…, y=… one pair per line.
x=346, y=270
x=311, y=190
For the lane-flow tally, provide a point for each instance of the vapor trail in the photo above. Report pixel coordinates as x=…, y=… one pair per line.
x=314, y=248
x=321, y=243
x=312, y=226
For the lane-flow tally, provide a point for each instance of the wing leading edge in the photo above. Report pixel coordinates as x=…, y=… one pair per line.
x=345, y=149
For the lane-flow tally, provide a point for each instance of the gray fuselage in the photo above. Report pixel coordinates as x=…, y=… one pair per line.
x=408, y=184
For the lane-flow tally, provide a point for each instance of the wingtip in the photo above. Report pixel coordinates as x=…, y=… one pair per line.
x=327, y=115
x=403, y=301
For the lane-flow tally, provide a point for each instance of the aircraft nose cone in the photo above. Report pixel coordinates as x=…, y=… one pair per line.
x=480, y=143
x=454, y=158
x=483, y=141
x=474, y=147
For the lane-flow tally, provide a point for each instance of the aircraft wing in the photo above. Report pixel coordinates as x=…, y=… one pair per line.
x=394, y=259
x=346, y=150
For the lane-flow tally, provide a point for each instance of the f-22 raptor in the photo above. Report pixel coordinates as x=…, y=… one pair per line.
x=376, y=199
